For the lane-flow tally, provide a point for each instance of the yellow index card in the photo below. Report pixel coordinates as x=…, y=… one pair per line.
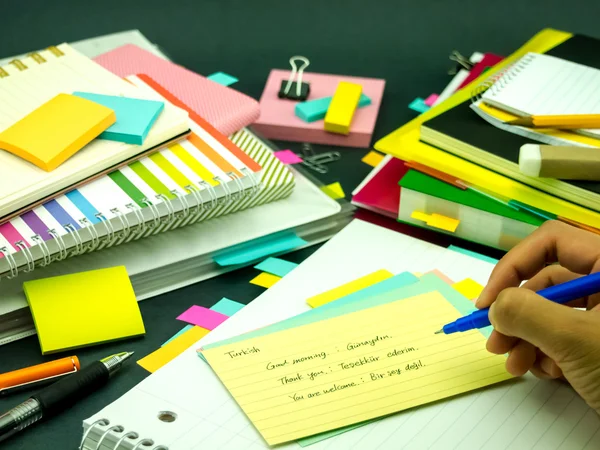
x=355, y=367
x=469, y=288
x=265, y=280
x=55, y=131
x=172, y=349
x=349, y=288
x=81, y=309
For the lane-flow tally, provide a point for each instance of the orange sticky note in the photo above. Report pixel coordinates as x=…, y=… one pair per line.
x=172, y=349
x=372, y=158
x=55, y=131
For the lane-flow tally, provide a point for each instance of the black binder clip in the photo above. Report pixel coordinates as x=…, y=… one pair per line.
x=462, y=62
x=295, y=90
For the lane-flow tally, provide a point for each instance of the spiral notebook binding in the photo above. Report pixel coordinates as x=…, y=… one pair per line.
x=119, y=433
x=39, y=59
x=500, y=80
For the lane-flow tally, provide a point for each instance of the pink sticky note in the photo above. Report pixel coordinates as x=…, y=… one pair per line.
x=287, y=157
x=203, y=317
x=429, y=101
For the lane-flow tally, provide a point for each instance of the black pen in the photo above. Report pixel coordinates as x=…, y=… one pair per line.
x=60, y=395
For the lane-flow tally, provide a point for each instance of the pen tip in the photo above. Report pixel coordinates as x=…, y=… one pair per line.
x=439, y=331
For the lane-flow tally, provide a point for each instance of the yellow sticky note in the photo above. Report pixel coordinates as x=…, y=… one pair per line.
x=469, y=288
x=373, y=158
x=334, y=190
x=55, y=131
x=82, y=309
x=437, y=221
x=265, y=280
x=352, y=368
x=342, y=107
x=172, y=349
x=349, y=288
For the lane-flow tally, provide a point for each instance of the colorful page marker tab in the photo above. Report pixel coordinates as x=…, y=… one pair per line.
x=265, y=280
x=176, y=335
x=441, y=276
x=227, y=307
x=202, y=317
x=135, y=116
x=418, y=105
x=316, y=109
x=469, y=288
x=77, y=310
x=259, y=248
x=222, y=78
x=464, y=251
x=373, y=158
x=287, y=157
x=55, y=131
x=172, y=350
x=334, y=190
x=348, y=288
x=429, y=101
x=276, y=266
x=437, y=221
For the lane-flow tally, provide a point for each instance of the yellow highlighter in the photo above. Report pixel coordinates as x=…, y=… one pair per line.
x=565, y=122
x=342, y=107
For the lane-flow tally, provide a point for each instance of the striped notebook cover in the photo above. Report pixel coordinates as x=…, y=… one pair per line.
x=202, y=177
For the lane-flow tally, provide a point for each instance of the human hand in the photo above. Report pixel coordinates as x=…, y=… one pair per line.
x=548, y=339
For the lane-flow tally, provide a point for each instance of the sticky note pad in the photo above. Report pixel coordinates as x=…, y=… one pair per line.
x=316, y=109
x=172, y=350
x=265, y=280
x=135, y=117
x=55, y=131
x=342, y=107
x=349, y=288
x=469, y=288
x=73, y=311
x=203, y=317
x=334, y=190
x=287, y=157
x=222, y=78
x=354, y=367
x=373, y=158
x=276, y=266
x=227, y=307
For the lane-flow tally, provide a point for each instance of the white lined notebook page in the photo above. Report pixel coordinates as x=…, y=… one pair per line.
x=524, y=414
x=545, y=85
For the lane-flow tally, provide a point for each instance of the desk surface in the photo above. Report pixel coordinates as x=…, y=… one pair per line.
x=407, y=43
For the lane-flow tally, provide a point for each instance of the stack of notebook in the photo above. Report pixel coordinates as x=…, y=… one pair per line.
x=464, y=178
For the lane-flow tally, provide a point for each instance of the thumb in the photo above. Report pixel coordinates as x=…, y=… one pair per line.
x=555, y=329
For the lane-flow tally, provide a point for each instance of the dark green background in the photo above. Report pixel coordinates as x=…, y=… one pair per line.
x=405, y=42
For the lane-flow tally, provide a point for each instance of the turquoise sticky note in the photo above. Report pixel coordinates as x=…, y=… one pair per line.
x=222, y=78
x=464, y=251
x=179, y=333
x=227, y=307
x=135, y=117
x=418, y=105
x=259, y=248
x=316, y=109
x=276, y=266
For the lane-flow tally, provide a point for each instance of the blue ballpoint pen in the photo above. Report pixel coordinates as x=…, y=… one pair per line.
x=560, y=293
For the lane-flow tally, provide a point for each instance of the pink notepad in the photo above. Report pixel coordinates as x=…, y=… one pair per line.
x=278, y=121
x=226, y=109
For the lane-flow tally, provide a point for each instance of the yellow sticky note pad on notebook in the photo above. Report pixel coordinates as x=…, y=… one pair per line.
x=352, y=368
x=469, y=288
x=55, y=131
x=265, y=280
x=349, y=288
x=172, y=349
x=82, y=309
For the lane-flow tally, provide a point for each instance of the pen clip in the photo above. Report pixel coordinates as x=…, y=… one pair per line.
x=34, y=383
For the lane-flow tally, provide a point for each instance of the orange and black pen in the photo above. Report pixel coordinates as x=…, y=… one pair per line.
x=36, y=376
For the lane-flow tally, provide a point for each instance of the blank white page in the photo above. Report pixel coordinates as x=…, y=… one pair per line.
x=544, y=85
x=526, y=413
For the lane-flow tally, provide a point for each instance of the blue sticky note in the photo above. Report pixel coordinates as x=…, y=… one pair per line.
x=222, y=78
x=179, y=333
x=227, y=307
x=276, y=266
x=135, y=116
x=257, y=249
x=316, y=109
x=418, y=105
x=464, y=251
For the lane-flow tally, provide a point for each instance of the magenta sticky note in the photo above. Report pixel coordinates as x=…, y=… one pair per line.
x=287, y=157
x=203, y=317
x=429, y=101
